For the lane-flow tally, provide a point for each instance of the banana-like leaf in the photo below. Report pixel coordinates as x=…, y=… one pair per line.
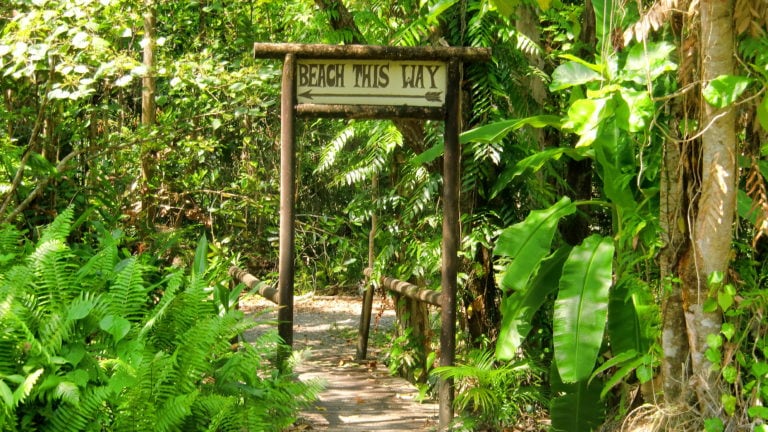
x=517, y=310
x=201, y=257
x=577, y=408
x=534, y=162
x=528, y=242
x=581, y=308
x=624, y=328
x=495, y=132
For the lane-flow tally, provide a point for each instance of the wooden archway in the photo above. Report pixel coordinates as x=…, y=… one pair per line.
x=362, y=82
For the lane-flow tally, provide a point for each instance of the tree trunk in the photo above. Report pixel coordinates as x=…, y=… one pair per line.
x=711, y=233
x=148, y=111
x=674, y=364
x=578, y=174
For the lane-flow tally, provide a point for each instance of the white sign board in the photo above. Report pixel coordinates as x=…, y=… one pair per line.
x=371, y=82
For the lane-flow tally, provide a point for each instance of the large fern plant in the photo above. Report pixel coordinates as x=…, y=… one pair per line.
x=93, y=339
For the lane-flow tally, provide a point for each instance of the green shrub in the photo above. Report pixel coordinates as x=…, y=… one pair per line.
x=95, y=339
x=492, y=394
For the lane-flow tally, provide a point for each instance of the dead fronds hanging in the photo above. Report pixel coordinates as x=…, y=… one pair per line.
x=751, y=17
x=654, y=18
x=756, y=190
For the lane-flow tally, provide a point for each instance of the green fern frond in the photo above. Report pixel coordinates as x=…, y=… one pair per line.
x=100, y=266
x=81, y=417
x=53, y=267
x=174, y=411
x=127, y=296
x=423, y=197
x=53, y=330
x=214, y=413
x=172, y=286
x=59, y=229
x=207, y=340
x=11, y=248
x=330, y=152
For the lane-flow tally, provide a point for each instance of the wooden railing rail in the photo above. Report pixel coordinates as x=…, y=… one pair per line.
x=266, y=291
x=408, y=289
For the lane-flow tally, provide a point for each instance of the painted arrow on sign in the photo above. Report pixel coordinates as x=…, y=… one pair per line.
x=429, y=96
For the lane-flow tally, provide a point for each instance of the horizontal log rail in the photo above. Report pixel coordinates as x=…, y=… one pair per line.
x=266, y=291
x=321, y=51
x=370, y=111
x=408, y=289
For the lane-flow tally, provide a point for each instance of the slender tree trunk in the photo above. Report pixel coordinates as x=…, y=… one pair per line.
x=712, y=226
x=679, y=186
x=148, y=111
x=674, y=364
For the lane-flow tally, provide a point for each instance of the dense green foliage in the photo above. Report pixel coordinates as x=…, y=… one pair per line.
x=94, y=339
x=582, y=173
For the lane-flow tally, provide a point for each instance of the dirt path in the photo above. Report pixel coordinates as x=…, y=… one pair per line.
x=358, y=396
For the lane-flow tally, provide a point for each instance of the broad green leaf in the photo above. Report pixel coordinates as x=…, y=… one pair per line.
x=728, y=330
x=517, y=309
x=644, y=372
x=79, y=309
x=575, y=407
x=585, y=115
x=762, y=113
x=622, y=373
x=640, y=109
x=528, y=242
x=648, y=61
x=614, y=154
x=581, y=308
x=595, y=67
x=757, y=411
x=745, y=206
x=117, y=326
x=714, y=424
x=78, y=376
x=505, y=7
x=438, y=8
x=6, y=394
x=572, y=74
x=624, y=329
x=428, y=155
x=201, y=257
x=725, y=89
x=534, y=163
x=495, y=132
x=74, y=352
x=614, y=362
x=729, y=403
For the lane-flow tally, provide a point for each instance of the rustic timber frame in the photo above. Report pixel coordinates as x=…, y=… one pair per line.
x=429, y=85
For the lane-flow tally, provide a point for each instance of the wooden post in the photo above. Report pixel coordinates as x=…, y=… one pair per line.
x=451, y=180
x=365, y=314
x=287, y=200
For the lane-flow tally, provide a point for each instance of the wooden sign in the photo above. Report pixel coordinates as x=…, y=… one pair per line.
x=371, y=82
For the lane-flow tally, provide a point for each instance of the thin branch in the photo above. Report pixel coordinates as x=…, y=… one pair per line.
x=23, y=163
x=62, y=165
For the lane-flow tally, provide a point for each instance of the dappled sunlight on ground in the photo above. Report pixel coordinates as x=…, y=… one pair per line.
x=359, y=395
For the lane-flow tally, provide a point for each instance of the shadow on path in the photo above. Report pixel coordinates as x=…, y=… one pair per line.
x=358, y=396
